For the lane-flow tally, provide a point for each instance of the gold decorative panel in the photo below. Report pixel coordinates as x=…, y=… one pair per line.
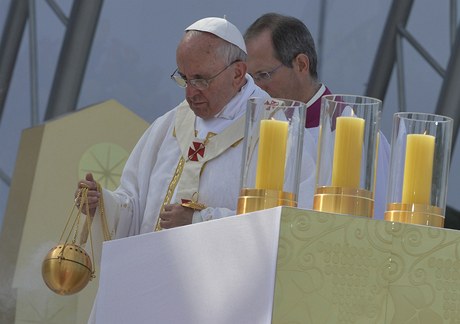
x=334, y=268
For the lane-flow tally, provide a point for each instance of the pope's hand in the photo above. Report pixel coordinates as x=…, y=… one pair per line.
x=175, y=215
x=92, y=194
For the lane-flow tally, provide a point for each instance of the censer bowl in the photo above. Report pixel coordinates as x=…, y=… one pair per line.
x=67, y=269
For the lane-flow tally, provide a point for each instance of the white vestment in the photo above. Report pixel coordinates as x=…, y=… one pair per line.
x=133, y=208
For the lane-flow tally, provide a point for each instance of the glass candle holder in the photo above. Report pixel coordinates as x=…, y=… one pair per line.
x=272, y=154
x=419, y=168
x=347, y=155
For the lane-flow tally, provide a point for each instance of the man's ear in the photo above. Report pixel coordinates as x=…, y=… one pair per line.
x=301, y=63
x=240, y=71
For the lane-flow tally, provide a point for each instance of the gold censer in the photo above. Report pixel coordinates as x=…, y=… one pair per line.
x=67, y=268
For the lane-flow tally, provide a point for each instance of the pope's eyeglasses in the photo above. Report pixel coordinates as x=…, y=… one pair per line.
x=265, y=75
x=200, y=84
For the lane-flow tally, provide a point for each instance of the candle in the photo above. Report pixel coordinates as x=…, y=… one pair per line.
x=272, y=154
x=346, y=165
x=418, y=169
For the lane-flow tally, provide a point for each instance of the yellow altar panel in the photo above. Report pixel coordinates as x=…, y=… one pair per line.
x=51, y=159
x=342, y=269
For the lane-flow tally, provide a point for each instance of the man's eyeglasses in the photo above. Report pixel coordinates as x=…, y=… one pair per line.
x=265, y=76
x=200, y=84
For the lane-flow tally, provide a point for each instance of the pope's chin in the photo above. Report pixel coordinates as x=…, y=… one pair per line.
x=200, y=110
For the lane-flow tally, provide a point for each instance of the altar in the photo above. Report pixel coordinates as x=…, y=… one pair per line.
x=283, y=265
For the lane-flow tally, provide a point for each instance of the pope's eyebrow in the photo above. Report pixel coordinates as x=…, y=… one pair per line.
x=194, y=77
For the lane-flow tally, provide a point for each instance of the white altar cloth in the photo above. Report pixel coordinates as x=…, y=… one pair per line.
x=222, y=271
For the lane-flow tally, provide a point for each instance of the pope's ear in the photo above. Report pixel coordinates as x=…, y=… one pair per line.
x=240, y=71
x=301, y=62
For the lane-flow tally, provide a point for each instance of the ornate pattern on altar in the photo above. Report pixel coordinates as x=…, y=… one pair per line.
x=343, y=269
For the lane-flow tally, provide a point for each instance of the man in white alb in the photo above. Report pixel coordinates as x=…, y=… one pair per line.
x=186, y=166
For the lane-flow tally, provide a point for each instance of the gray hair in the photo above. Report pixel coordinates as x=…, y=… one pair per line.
x=290, y=37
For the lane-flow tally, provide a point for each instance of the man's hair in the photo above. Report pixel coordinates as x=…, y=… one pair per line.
x=290, y=37
x=228, y=51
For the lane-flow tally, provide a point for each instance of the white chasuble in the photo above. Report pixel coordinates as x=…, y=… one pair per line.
x=196, y=152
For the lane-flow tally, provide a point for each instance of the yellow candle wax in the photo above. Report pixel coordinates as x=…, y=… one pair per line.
x=418, y=169
x=346, y=165
x=272, y=154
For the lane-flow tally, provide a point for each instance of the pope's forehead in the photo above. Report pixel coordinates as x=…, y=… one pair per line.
x=197, y=58
x=200, y=41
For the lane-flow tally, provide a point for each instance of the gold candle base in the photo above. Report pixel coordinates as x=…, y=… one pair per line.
x=415, y=214
x=258, y=199
x=349, y=201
